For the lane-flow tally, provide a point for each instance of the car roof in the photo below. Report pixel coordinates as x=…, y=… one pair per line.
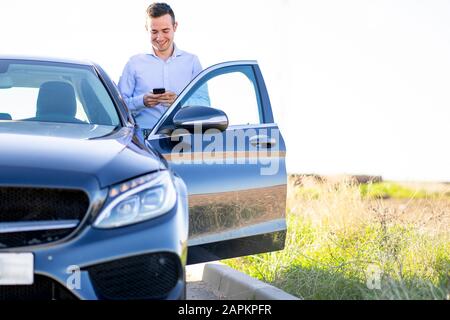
x=46, y=59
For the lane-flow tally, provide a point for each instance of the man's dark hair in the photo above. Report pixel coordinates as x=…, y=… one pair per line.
x=159, y=9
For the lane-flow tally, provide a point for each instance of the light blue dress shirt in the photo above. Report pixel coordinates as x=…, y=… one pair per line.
x=144, y=72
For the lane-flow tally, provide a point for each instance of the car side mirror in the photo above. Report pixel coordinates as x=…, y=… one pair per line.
x=5, y=116
x=189, y=118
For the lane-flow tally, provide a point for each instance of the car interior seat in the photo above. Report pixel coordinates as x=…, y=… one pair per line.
x=56, y=103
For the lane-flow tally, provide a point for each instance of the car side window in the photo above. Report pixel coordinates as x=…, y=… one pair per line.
x=233, y=91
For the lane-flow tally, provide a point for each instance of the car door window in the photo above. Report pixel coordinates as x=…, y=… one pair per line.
x=232, y=91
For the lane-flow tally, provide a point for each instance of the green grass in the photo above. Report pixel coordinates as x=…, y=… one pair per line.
x=386, y=190
x=354, y=252
x=380, y=190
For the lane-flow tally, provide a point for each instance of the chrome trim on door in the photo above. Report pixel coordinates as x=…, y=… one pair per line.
x=257, y=229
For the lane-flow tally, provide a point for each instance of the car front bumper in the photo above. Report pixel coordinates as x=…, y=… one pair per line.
x=141, y=261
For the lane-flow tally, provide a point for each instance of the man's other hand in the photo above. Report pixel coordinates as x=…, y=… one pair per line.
x=167, y=98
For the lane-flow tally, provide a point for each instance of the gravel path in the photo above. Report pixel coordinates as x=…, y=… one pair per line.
x=199, y=290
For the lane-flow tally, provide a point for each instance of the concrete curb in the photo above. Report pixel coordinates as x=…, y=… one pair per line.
x=234, y=285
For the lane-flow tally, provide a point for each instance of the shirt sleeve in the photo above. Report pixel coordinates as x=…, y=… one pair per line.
x=201, y=96
x=127, y=83
x=196, y=68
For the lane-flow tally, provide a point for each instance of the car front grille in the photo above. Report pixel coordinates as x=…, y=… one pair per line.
x=39, y=206
x=21, y=239
x=36, y=204
x=150, y=276
x=43, y=288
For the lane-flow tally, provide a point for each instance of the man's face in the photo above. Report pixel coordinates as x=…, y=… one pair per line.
x=162, y=32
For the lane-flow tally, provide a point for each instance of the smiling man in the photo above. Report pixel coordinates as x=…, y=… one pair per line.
x=164, y=66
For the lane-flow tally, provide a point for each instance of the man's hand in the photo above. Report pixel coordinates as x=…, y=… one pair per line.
x=151, y=100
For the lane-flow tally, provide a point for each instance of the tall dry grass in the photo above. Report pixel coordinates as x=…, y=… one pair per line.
x=341, y=245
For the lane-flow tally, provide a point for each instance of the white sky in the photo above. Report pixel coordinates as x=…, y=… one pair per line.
x=356, y=86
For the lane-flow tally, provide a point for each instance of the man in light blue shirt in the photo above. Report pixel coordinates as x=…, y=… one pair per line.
x=165, y=66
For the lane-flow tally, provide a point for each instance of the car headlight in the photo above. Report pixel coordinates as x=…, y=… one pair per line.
x=137, y=200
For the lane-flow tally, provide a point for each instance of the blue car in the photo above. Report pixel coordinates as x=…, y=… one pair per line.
x=93, y=206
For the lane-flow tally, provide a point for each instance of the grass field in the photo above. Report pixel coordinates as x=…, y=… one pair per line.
x=361, y=241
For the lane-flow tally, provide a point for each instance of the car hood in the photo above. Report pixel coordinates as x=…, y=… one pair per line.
x=73, y=155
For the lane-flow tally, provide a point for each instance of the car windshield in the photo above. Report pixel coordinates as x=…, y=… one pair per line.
x=54, y=92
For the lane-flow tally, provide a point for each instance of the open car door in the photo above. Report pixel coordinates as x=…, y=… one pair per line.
x=235, y=172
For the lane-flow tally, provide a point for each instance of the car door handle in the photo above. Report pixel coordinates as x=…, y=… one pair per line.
x=263, y=141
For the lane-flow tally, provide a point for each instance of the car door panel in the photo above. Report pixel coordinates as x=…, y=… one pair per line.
x=236, y=181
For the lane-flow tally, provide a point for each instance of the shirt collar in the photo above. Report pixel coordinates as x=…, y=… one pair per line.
x=176, y=52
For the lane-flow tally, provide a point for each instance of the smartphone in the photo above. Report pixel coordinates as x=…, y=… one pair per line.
x=159, y=91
